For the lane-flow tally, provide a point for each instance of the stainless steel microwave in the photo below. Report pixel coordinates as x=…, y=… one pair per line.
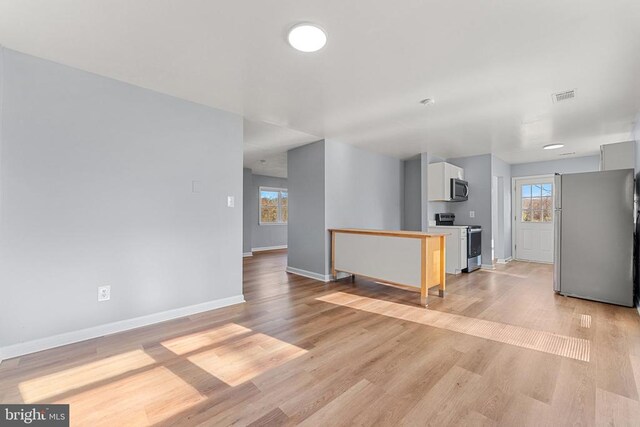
x=459, y=190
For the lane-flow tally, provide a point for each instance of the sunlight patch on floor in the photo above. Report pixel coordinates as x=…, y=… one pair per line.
x=547, y=342
x=504, y=273
x=231, y=354
x=37, y=389
x=156, y=394
x=236, y=360
x=196, y=341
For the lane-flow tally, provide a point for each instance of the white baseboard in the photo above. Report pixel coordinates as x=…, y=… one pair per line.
x=28, y=347
x=268, y=248
x=488, y=267
x=309, y=274
x=341, y=275
x=247, y=254
x=504, y=261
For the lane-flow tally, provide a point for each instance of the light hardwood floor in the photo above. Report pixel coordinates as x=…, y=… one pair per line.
x=500, y=349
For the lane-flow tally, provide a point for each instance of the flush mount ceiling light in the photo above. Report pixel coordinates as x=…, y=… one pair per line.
x=553, y=146
x=307, y=37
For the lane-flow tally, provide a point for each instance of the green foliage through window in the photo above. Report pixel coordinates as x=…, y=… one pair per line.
x=274, y=205
x=537, y=202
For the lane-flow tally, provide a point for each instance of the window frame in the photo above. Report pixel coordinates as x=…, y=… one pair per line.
x=531, y=197
x=279, y=191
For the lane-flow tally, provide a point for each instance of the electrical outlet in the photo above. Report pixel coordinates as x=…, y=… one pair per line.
x=472, y=214
x=104, y=293
x=230, y=201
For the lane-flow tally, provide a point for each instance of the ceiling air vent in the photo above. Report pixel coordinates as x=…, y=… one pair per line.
x=563, y=96
x=567, y=154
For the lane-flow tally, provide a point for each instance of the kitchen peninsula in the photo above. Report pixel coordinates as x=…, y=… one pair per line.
x=401, y=258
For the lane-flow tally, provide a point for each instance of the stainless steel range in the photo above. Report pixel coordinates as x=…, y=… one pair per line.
x=474, y=240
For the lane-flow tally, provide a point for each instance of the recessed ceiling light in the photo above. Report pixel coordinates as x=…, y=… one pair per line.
x=307, y=37
x=428, y=101
x=553, y=146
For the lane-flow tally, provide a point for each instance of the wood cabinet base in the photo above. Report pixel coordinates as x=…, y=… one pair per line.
x=401, y=258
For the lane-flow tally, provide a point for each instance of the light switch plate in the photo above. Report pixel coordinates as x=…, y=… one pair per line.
x=472, y=214
x=196, y=186
x=230, y=201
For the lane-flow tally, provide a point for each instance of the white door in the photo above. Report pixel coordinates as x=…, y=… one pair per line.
x=533, y=220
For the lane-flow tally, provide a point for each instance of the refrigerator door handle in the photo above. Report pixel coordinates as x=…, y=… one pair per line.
x=557, y=245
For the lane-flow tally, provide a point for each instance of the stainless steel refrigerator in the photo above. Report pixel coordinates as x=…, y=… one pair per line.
x=593, y=254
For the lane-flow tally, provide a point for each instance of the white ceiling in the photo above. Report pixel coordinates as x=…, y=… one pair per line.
x=266, y=145
x=491, y=65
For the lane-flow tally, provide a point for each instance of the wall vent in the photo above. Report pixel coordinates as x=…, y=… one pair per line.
x=563, y=96
x=567, y=154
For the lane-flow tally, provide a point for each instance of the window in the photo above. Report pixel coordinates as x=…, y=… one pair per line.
x=537, y=204
x=274, y=205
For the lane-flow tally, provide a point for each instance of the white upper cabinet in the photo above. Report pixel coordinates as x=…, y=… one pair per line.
x=618, y=156
x=439, y=180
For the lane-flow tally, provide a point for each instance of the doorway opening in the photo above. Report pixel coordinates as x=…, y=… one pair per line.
x=533, y=218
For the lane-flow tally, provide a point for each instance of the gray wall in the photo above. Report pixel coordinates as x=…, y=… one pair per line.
x=569, y=165
x=247, y=224
x=425, y=159
x=335, y=185
x=432, y=208
x=265, y=236
x=363, y=189
x=477, y=171
x=502, y=170
x=635, y=135
x=418, y=210
x=96, y=183
x=307, y=231
x=412, y=212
